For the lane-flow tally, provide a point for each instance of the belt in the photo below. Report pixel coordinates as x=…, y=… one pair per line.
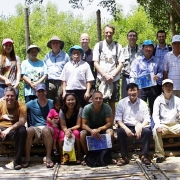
x=53, y=81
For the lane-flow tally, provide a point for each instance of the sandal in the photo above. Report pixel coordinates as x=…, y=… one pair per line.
x=26, y=164
x=17, y=166
x=49, y=164
x=123, y=161
x=78, y=162
x=113, y=161
x=83, y=163
x=145, y=160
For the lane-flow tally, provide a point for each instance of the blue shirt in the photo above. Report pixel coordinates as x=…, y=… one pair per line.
x=141, y=66
x=38, y=113
x=55, y=64
x=161, y=52
x=34, y=71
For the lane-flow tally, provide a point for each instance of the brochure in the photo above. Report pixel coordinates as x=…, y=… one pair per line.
x=145, y=81
x=97, y=144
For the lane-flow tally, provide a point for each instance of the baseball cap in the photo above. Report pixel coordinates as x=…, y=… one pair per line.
x=7, y=40
x=148, y=43
x=176, y=38
x=68, y=143
x=40, y=86
x=167, y=81
x=76, y=47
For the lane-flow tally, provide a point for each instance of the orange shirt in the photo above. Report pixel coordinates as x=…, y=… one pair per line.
x=19, y=111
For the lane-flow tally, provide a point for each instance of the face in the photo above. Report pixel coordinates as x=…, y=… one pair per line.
x=84, y=40
x=76, y=55
x=10, y=97
x=108, y=33
x=55, y=45
x=33, y=53
x=176, y=47
x=167, y=88
x=148, y=51
x=161, y=37
x=97, y=99
x=70, y=101
x=8, y=47
x=133, y=94
x=132, y=38
x=41, y=93
x=57, y=106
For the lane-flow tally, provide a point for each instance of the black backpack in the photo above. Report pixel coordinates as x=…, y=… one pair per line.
x=98, y=158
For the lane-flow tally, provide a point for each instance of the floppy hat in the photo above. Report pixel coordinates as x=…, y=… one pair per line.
x=7, y=40
x=40, y=86
x=55, y=38
x=33, y=46
x=148, y=43
x=68, y=143
x=167, y=81
x=176, y=38
x=76, y=47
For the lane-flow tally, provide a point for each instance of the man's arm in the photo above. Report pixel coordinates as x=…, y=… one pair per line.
x=87, y=93
x=165, y=74
x=126, y=129
x=109, y=124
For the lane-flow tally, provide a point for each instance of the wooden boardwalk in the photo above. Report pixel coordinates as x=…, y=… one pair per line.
x=169, y=169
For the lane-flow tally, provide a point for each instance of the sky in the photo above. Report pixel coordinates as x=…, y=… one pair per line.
x=7, y=7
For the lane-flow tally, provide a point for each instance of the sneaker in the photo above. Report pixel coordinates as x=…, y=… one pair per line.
x=159, y=159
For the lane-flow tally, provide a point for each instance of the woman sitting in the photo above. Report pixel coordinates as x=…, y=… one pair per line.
x=70, y=121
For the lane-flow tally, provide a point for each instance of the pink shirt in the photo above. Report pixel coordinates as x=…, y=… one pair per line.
x=52, y=114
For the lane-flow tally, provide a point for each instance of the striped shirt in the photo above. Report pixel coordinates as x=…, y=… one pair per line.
x=172, y=66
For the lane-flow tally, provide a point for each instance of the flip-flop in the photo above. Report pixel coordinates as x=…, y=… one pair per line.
x=113, y=161
x=26, y=164
x=83, y=163
x=123, y=161
x=49, y=164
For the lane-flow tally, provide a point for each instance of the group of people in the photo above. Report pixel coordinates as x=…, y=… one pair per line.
x=76, y=94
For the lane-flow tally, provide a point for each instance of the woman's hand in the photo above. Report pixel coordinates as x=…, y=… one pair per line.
x=68, y=133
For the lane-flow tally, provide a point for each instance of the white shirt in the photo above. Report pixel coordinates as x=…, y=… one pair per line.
x=166, y=112
x=76, y=75
x=172, y=65
x=107, y=58
x=132, y=113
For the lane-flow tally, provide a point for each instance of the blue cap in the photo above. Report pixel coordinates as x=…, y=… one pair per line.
x=40, y=86
x=76, y=47
x=148, y=43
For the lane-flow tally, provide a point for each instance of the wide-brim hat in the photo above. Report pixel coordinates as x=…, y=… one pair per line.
x=55, y=38
x=76, y=47
x=31, y=47
x=7, y=40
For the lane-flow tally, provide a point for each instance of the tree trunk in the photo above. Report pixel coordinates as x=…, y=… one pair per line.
x=176, y=6
x=172, y=24
x=98, y=25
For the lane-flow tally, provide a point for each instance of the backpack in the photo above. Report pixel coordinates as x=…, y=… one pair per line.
x=101, y=47
x=98, y=158
x=169, y=48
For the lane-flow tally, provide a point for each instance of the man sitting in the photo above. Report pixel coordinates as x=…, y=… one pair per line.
x=133, y=118
x=12, y=120
x=39, y=109
x=165, y=111
x=96, y=119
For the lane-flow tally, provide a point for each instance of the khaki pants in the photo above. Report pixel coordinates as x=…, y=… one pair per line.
x=173, y=129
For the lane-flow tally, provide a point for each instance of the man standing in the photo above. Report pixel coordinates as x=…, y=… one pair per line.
x=172, y=65
x=131, y=52
x=12, y=123
x=88, y=55
x=133, y=118
x=39, y=109
x=144, y=65
x=55, y=61
x=108, y=61
x=165, y=115
x=77, y=76
x=160, y=51
x=96, y=119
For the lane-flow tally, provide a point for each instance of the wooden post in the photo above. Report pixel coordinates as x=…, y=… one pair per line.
x=98, y=13
x=26, y=25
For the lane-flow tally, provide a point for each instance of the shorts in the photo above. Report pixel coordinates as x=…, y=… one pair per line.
x=38, y=133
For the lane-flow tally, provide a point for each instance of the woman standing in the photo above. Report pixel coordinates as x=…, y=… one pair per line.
x=34, y=72
x=9, y=67
x=70, y=120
